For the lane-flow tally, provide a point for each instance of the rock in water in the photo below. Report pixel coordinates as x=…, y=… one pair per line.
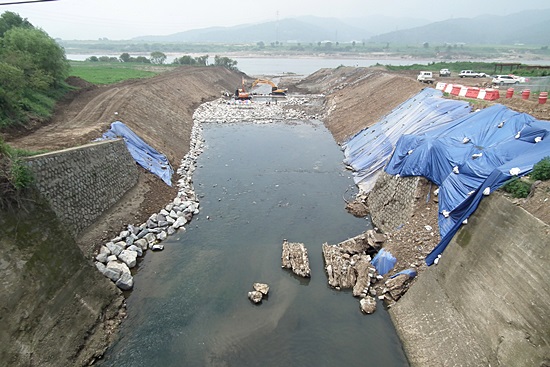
x=295, y=257
x=255, y=296
x=262, y=288
x=368, y=304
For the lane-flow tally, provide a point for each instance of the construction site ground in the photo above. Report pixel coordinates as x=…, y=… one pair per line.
x=160, y=110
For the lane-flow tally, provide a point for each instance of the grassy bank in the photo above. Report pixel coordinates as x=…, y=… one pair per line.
x=114, y=72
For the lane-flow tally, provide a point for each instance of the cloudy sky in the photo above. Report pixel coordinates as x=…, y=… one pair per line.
x=124, y=19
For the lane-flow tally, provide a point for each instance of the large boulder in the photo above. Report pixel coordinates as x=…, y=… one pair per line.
x=128, y=257
x=294, y=256
x=255, y=296
x=368, y=304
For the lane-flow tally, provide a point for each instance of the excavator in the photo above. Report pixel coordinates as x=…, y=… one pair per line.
x=241, y=93
x=276, y=91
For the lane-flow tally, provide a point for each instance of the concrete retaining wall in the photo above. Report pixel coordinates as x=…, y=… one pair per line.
x=487, y=303
x=81, y=183
x=55, y=305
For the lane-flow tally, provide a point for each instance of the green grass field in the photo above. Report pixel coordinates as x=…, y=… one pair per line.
x=114, y=72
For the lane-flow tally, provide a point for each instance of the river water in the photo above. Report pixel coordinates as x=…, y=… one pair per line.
x=259, y=184
x=299, y=65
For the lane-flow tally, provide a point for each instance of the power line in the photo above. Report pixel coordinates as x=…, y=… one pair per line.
x=25, y=2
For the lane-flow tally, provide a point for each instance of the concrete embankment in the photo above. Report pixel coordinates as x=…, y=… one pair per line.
x=487, y=302
x=57, y=310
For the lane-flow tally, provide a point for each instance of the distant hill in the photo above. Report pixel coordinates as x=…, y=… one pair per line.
x=527, y=27
x=304, y=30
x=378, y=24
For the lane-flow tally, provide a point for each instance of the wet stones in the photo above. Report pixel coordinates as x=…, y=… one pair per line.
x=294, y=256
x=348, y=265
x=259, y=293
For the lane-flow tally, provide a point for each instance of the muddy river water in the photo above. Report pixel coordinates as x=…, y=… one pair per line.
x=258, y=184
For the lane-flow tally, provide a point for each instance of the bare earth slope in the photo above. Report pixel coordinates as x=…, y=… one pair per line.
x=158, y=109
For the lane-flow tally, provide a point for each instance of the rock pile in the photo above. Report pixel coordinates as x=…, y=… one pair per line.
x=223, y=111
x=348, y=265
x=295, y=257
x=260, y=291
x=117, y=257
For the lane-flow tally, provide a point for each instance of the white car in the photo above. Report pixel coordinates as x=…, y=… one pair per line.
x=471, y=74
x=504, y=79
x=444, y=72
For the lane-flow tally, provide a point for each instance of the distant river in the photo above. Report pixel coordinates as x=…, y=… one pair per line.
x=301, y=66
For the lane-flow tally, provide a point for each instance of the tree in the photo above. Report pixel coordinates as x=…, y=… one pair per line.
x=125, y=57
x=141, y=59
x=33, y=68
x=12, y=84
x=185, y=60
x=92, y=59
x=37, y=54
x=202, y=60
x=158, y=57
x=426, y=45
x=261, y=44
x=226, y=62
x=10, y=20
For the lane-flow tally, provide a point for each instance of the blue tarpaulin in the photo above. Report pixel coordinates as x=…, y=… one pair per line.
x=410, y=272
x=143, y=154
x=369, y=150
x=384, y=261
x=474, y=154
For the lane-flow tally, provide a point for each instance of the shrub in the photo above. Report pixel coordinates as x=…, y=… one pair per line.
x=541, y=170
x=517, y=187
x=14, y=174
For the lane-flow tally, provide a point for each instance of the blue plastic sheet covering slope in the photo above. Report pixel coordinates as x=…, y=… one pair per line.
x=369, y=150
x=475, y=154
x=383, y=261
x=143, y=154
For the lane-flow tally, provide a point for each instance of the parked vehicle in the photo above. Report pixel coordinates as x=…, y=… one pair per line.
x=444, y=72
x=504, y=79
x=471, y=74
x=425, y=77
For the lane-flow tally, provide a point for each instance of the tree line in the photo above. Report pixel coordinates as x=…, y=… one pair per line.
x=159, y=58
x=33, y=69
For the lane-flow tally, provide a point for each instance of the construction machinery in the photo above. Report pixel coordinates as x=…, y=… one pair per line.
x=276, y=91
x=241, y=93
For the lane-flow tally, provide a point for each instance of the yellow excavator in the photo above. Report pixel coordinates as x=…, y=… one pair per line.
x=276, y=91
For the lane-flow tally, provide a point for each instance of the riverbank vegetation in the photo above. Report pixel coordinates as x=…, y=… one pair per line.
x=447, y=51
x=520, y=187
x=33, y=69
x=14, y=174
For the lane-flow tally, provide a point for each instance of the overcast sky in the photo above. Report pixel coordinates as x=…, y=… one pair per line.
x=125, y=19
